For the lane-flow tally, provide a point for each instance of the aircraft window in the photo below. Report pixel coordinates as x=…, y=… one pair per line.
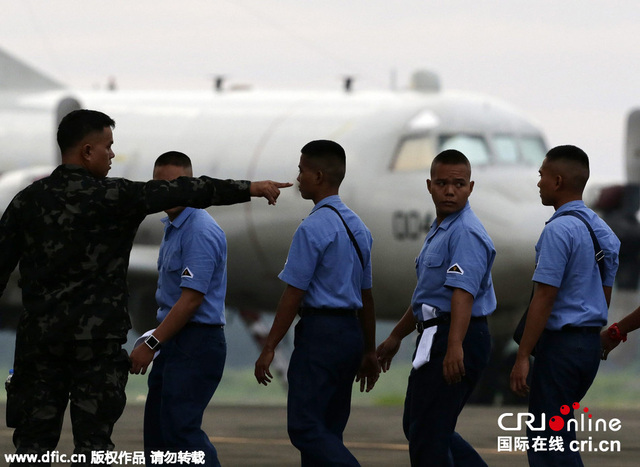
x=474, y=147
x=415, y=154
x=506, y=148
x=533, y=150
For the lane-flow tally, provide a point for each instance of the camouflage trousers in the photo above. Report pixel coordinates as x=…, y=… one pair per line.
x=91, y=374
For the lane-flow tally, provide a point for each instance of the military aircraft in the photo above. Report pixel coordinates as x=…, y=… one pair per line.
x=390, y=138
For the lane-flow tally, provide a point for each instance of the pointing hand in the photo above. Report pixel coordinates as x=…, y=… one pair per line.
x=268, y=189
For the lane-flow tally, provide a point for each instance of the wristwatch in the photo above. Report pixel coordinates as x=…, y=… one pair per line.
x=152, y=342
x=615, y=333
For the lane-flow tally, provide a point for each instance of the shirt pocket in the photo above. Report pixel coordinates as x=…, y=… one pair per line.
x=433, y=260
x=173, y=262
x=430, y=261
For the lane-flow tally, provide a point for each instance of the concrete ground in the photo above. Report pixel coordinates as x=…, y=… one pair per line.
x=256, y=436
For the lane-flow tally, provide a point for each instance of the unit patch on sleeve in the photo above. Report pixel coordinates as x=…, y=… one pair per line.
x=187, y=273
x=455, y=269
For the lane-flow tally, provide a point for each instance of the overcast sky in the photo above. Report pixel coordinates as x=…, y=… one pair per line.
x=572, y=65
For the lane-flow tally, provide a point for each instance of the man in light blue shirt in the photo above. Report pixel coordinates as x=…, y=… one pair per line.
x=328, y=277
x=192, y=282
x=569, y=305
x=455, y=254
x=572, y=284
x=328, y=285
x=452, y=299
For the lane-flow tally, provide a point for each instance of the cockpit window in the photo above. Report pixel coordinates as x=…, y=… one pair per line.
x=472, y=146
x=533, y=150
x=529, y=150
x=415, y=153
x=506, y=147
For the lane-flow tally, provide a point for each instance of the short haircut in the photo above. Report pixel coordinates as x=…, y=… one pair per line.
x=568, y=152
x=78, y=124
x=450, y=157
x=329, y=157
x=576, y=172
x=176, y=158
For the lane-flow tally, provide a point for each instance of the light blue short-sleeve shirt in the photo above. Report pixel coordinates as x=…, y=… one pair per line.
x=458, y=253
x=565, y=259
x=323, y=261
x=193, y=254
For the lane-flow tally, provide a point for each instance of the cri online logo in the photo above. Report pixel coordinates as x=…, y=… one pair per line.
x=557, y=423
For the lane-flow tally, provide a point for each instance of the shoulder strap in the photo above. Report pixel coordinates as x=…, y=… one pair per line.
x=351, y=236
x=596, y=245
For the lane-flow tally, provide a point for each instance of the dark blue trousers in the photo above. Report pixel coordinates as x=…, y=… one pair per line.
x=327, y=355
x=565, y=365
x=432, y=406
x=182, y=381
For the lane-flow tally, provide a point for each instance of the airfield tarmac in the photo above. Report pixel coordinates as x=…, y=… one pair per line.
x=256, y=436
x=254, y=433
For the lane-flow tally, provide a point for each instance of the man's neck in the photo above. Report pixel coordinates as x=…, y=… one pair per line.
x=567, y=199
x=325, y=194
x=173, y=214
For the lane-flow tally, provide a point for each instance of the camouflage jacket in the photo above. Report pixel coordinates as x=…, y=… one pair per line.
x=72, y=235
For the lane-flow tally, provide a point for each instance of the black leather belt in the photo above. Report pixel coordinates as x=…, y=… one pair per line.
x=310, y=311
x=444, y=318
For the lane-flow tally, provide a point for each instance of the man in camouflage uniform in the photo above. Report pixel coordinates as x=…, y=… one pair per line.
x=72, y=234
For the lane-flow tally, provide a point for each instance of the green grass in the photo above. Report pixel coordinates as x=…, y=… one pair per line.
x=614, y=387
x=239, y=386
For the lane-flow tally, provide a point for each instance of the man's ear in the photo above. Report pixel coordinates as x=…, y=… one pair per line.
x=86, y=151
x=559, y=182
x=429, y=185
